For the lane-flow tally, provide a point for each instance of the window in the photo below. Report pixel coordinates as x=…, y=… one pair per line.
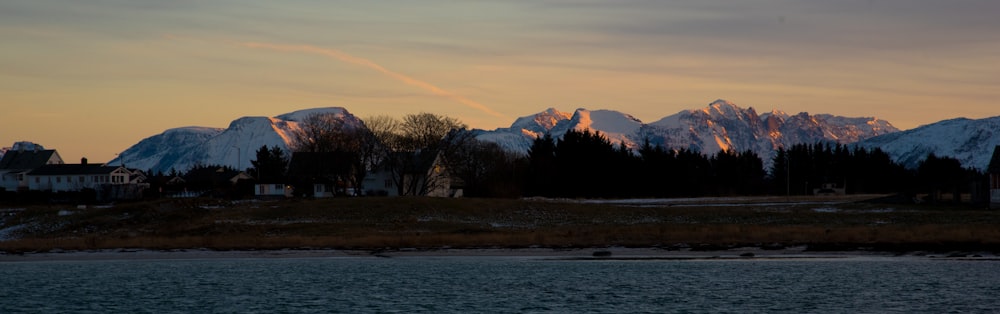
x=58, y=179
x=278, y=187
x=388, y=183
x=81, y=179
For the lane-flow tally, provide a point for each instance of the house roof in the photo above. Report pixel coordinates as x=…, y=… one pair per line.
x=311, y=164
x=416, y=162
x=72, y=169
x=211, y=174
x=26, y=159
x=994, y=166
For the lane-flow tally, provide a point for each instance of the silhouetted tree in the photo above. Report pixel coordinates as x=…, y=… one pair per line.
x=938, y=175
x=270, y=163
x=585, y=163
x=541, y=177
x=485, y=169
x=737, y=173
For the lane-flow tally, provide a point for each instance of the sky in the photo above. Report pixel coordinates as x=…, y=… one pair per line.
x=92, y=77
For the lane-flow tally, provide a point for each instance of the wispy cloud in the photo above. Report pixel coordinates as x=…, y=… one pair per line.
x=347, y=58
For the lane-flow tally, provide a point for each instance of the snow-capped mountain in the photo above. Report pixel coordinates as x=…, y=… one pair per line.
x=183, y=148
x=721, y=125
x=970, y=141
x=173, y=149
x=616, y=126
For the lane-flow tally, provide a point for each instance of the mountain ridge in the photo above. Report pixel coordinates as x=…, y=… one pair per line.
x=971, y=141
x=182, y=148
x=719, y=125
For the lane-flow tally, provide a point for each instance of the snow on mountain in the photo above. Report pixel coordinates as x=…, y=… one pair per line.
x=970, y=141
x=803, y=128
x=721, y=125
x=167, y=150
x=524, y=130
x=539, y=124
x=235, y=146
x=616, y=126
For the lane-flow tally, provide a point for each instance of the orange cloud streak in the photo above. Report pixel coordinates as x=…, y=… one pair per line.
x=344, y=57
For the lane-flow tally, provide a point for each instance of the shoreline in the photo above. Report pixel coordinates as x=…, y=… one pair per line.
x=597, y=254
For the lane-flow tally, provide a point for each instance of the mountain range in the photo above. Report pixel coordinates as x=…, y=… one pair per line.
x=720, y=125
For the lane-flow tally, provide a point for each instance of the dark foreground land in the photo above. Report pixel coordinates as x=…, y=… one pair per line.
x=377, y=224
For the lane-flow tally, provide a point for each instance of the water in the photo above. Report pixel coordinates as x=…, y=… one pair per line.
x=499, y=285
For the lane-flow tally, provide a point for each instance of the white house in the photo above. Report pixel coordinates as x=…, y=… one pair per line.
x=76, y=177
x=16, y=163
x=265, y=190
x=414, y=175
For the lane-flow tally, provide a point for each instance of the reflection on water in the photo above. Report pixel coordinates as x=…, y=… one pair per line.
x=499, y=284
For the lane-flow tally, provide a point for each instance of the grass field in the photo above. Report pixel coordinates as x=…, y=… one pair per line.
x=413, y=222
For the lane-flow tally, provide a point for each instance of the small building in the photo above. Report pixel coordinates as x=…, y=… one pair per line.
x=216, y=181
x=993, y=171
x=829, y=189
x=168, y=186
x=321, y=174
x=272, y=190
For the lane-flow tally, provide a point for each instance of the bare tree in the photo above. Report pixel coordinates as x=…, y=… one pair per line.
x=338, y=136
x=384, y=133
x=324, y=132
x=417, y=151
x=485, y=168
x=427, y=130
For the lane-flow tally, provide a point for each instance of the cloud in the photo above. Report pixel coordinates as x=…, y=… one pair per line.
x=347, y=58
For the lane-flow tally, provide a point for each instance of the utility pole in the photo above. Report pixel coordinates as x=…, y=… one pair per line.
x=239, y=158
x=788, y=176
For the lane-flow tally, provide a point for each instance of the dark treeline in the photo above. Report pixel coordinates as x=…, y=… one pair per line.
x=805, y=167
x=586, y=164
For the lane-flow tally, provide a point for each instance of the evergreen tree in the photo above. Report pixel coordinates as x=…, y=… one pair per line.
x=270, y=163
x=541, y=176
x=938, y=175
